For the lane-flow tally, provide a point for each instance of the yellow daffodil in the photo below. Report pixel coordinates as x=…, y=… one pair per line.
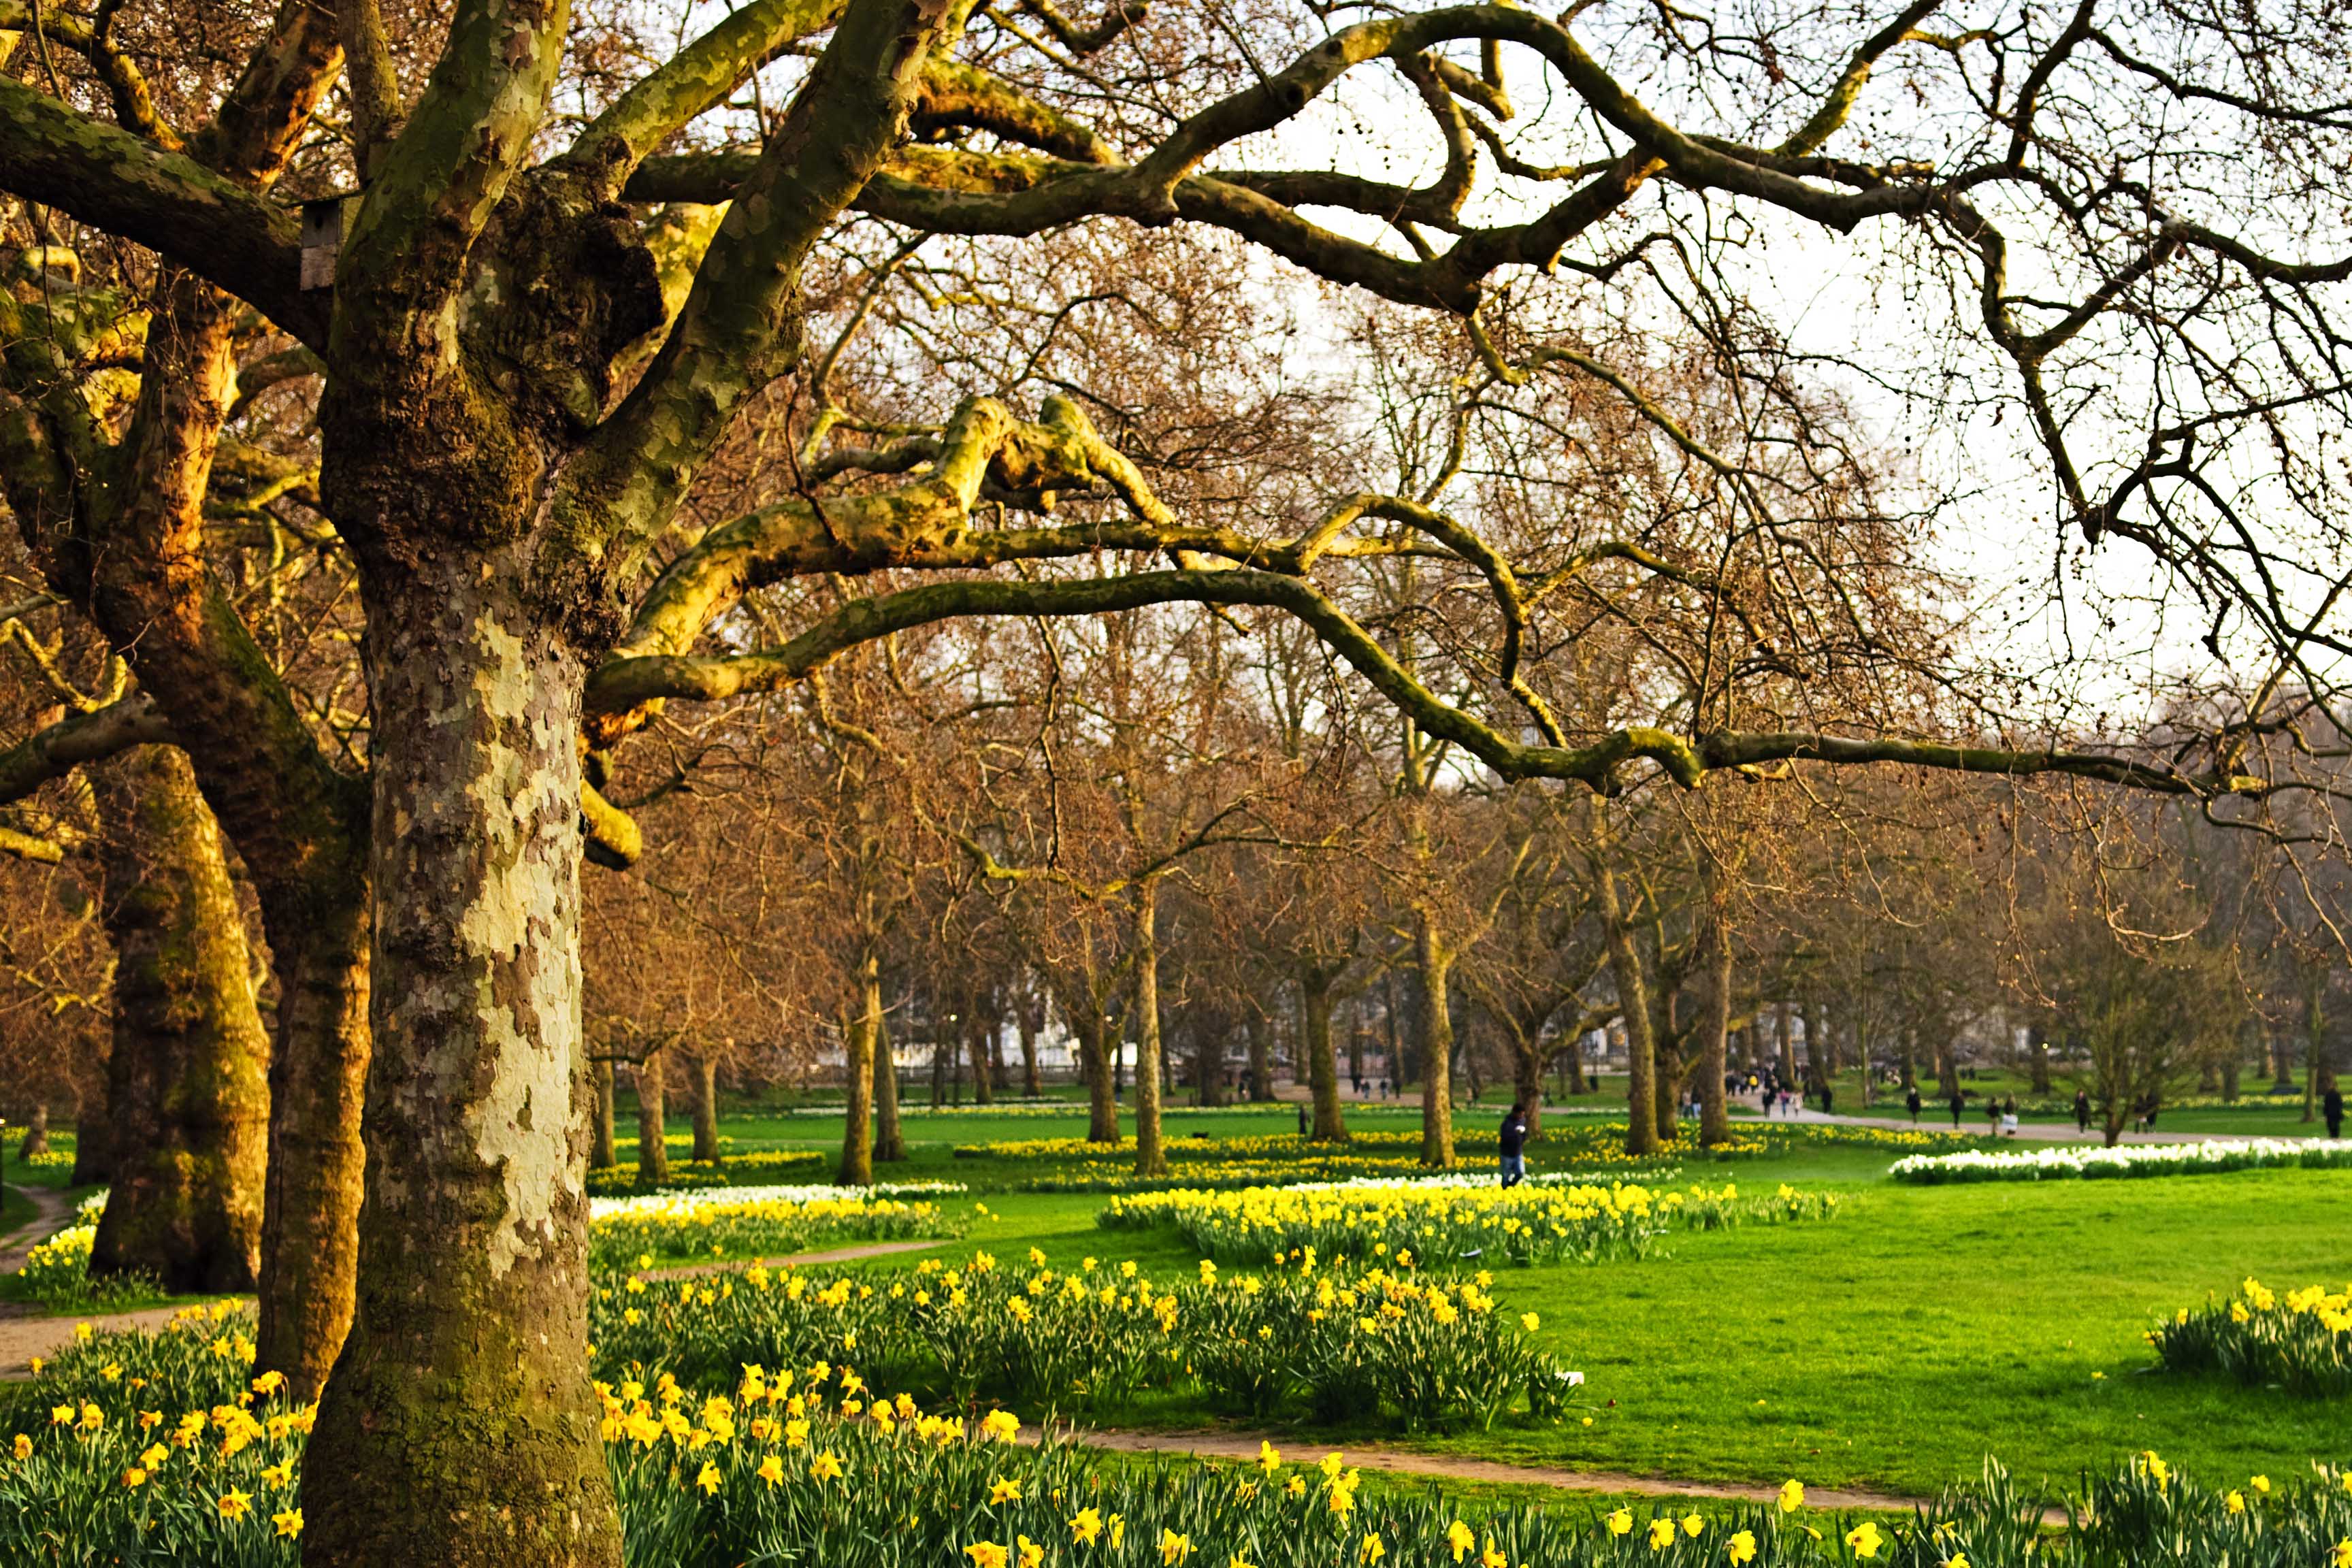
x=1269, y=1457
x=1086, y=1525
x=770, y=1470
x=1371, y=1551
x=234, y=1504
x=2235, y=1503
x=1864, y=1540
x=23, y=1446
x=986, y=1554
x=1661, y=1534
x=1005, y=1491
x=134, y=1477
x=2262, y=1485
x=1622, y=1522
x=1693, y=1524
x=2341, y=1557
x=1174, y=1547
x=1458, y=1537
x=825, y=1466
x=1740, y=1548
x=709, y=1479
x=1793, y=1496
x=289, y=1524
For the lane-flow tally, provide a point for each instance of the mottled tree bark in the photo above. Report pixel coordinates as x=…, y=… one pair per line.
x=603, y=1151
x=704, y=1071
x=1260, y=1031
x=653, y=1121
x=188, y=1080
x=309, y=1236
x=459, y=1427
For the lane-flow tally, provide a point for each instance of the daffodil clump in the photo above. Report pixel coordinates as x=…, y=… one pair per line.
x=1380, y=1344
x=2301, y=1341
x=746, y=1222
x=1446, y=1224
x=164, y=1449
x=153, y=1447
x=56, y=1273
x=1257, y=1146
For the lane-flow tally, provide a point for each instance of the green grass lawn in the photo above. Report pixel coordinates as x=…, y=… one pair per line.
x=1898, y=1346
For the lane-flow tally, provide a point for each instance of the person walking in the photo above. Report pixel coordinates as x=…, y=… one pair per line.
x=2083, y=1111
x=1911, y=1103
x=1959, y=1104
x=1826, y=1093
x=1513, y=1143
x=1302, y=1119
x=2332, y=1107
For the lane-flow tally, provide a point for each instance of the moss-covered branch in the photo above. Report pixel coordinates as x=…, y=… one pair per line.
x=51, y=754
x=689, y=83
x=740, y=326
x=196, y=217
x=626, y=683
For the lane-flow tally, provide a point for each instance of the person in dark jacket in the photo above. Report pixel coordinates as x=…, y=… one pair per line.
x=1303, y=1127
x=1513, y=1143
x=1911, y=1102
x=2083, y=1111
x=2332, y=1107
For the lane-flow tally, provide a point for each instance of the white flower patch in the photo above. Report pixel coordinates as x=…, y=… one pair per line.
x=684, y=1203
x=2130, y=1160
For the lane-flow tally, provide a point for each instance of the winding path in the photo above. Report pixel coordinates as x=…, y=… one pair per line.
x=1227, y=1445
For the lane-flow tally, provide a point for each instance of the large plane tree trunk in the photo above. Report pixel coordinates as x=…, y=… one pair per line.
x=459, y=1421
x=188, y=1090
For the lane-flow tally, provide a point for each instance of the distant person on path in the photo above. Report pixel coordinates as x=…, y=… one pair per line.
x=2332, y=1107
x=1513, y=1144
x=1993, y=1115
x=1302, y=1119
x=1911, y=1102
x=2083, y=1111
x=1959, y=1104
x=1826, y=1093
